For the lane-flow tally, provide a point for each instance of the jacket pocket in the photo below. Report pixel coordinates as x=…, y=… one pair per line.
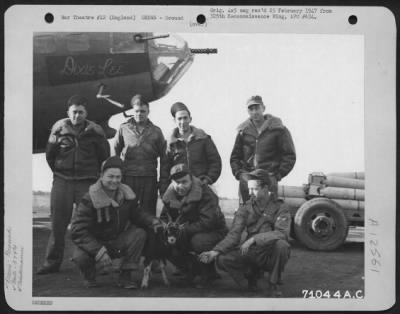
x=65, y=160
x=65, y=157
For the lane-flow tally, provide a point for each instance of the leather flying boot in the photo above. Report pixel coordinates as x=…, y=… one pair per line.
x=48, y=269
x=89, y=277
x=125, y=280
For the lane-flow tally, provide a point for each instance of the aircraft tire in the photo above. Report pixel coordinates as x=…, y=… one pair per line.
x=321, y=225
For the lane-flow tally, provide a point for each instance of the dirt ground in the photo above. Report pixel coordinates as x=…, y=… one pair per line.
x=341, y=271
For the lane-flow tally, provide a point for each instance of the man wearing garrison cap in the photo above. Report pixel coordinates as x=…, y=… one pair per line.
x=108, y=224
x=75, y=150
x=202, y=221
x=192, y=146
x=262, y=142
x=141, y=144
x=266, y=221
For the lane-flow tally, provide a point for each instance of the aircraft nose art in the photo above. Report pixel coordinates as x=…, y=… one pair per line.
x=70, y=69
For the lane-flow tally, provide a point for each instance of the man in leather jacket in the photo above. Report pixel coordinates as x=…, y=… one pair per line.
x=75, y=150
x=262, y=142
x=109, y=224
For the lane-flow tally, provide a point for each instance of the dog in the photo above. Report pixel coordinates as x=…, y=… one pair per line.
x=159, y=246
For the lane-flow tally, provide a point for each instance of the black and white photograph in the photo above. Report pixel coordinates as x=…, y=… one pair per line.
x=203, y=165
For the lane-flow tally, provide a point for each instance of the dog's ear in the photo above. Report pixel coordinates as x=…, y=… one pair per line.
x=165, y=231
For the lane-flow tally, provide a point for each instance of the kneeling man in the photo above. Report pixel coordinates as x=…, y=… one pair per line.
x=266, y=248
x=202, y=223
x=108, y=224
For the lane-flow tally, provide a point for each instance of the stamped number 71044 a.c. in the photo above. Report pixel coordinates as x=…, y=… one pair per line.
x=338, y=294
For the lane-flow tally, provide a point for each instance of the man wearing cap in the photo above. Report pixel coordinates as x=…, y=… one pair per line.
x=75, y=150
x=266, y=221
x=193, y=147
x=262, y=142
x=140, y=143
x=202, y=221
x=108, y=224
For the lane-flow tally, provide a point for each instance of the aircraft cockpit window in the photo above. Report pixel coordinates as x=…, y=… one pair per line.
x=125, y=43
x=44, y=44
x=169, y=59
x=78, y=42
x=165, y=53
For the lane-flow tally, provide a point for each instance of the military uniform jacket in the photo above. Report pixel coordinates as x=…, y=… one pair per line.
x=76, y=156
x=199, y=210
x=265, y=225
x=99, y=219
x=140, y=151
x=272, y=149
x=200, y=154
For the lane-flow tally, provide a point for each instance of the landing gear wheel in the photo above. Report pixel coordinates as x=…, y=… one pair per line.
x=320, y=224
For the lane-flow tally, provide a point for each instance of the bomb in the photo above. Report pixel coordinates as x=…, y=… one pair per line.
x=351, y=175
x=344, y=182
x=342, y=193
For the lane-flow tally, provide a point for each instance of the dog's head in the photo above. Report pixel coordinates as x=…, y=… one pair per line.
x=172, y=230
x=172, y=233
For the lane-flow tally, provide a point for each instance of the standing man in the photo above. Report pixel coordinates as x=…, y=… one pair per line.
x=262, y=142
x=108, y=224
x=74, y=152
x=140, y=143
x=193, y=147
x=202, y=221
x=266, y=248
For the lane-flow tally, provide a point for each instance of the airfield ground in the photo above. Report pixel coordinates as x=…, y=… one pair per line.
x=341, y=270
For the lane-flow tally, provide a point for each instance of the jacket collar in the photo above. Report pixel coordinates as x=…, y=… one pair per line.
x=271, y=122
x=197, y=134
x=132, y=124
x=65, y=126
x=194, y=195
x=100, y=199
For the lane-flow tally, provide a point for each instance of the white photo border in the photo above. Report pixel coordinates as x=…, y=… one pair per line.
x=376, y=24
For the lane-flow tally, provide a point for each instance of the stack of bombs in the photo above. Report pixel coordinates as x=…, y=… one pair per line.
x=345, y=188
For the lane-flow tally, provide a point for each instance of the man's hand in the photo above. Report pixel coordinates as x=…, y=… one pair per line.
x=65, y=141
x=158, y=224
x=207, y=257
x=105, y=262
x=205, y=180
x=244, y=248
x=182, y=230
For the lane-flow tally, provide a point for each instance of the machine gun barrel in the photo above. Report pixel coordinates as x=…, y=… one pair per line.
x=203, y=50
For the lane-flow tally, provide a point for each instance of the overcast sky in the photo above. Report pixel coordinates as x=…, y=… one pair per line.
x=314, y=83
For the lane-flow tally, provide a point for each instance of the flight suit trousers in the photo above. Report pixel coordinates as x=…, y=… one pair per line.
x=64, y=194
x=128, y=246
x=146, y=189
x=271, y=259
